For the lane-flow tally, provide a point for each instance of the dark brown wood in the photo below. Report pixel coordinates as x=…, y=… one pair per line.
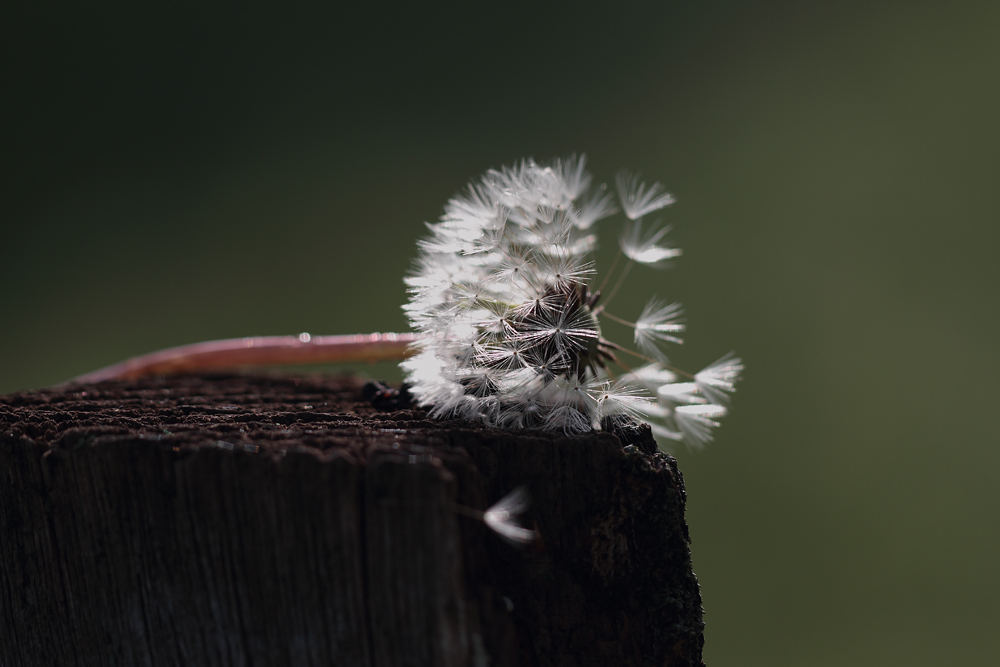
x=235, y=520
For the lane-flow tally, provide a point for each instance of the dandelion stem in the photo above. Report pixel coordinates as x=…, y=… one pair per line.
x=617, y=319
x=607, y=277
x=259, y=351
x=467, y=511
x=621, y=281
x=619, y=363
x=654, y=361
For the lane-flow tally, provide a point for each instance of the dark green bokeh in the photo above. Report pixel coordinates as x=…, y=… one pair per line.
x=211, y=172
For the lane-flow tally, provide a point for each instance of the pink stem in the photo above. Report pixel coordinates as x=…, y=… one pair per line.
x=234, y=353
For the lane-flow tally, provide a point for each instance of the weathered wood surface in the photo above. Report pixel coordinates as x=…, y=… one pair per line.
x=266, y=521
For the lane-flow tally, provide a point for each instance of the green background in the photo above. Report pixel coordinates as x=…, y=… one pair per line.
x=189, y=173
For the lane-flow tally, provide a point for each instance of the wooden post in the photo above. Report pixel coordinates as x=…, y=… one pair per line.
x=233, y=520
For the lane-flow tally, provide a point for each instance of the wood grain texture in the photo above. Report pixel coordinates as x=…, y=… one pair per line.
x=236, y=520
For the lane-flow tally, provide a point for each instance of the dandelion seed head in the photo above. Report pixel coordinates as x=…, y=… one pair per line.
x=501, y=290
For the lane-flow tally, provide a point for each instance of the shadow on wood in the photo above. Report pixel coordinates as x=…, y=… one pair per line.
x=234, y=520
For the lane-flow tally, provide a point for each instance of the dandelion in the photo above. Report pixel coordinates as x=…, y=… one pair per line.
x=510, y=326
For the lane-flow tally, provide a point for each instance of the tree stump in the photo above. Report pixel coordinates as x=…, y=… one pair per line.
x=234, y=520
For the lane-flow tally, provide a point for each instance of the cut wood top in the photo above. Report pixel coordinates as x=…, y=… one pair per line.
x=292, y=482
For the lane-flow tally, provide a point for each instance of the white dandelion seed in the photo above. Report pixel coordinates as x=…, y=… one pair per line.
x=651, y=376
x=636, y=200
x=564, y=269
x=595, y=207
x=644, y=248
x=677, y=393
x=622, y=398
x=658, y=322
x=697, y=421
x=567, y=419
x=718, y=380
x=563, y=331
x=502, y=517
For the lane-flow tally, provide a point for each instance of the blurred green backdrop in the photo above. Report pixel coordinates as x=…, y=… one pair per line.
x=208, y=171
